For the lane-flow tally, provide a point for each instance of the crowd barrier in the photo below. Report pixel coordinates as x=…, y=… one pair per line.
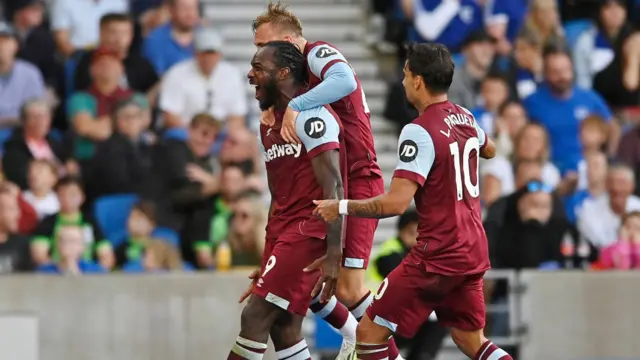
x=560, y=315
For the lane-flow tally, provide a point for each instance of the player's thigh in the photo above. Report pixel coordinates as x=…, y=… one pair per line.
x=286, y=330
x=359, y=232
x=283, y=281
x=399, y=304
x=464, y=308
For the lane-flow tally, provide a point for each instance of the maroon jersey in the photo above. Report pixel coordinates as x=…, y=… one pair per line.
x=292, y=181
x=440, y=151
x=352, y=110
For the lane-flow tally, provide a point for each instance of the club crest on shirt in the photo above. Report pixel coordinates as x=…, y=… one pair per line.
x=315, y=128
x=325, y=52
x=408, y=151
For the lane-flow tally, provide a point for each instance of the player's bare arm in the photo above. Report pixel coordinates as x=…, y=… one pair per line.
x=326, y=168
x=488, y=151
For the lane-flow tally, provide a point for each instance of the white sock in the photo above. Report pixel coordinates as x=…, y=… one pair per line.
x=359, y=311
x=299, y=351
x=249, y=349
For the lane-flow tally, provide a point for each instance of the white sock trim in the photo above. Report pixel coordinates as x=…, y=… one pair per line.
x=303, y=355
x=250, y=343
x=285, y=353
x=328, y=308
x=373, y=351
x=246, y=353
x=359, y=311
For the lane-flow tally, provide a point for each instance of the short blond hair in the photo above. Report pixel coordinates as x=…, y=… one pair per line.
x=277, y=14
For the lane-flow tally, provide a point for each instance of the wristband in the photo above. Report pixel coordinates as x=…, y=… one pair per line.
x=343, y=207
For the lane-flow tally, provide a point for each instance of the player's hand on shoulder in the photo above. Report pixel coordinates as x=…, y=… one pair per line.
x=288, y=130
x=328, y=210
x=329, y=266
x=268, y=118
x=254, y=276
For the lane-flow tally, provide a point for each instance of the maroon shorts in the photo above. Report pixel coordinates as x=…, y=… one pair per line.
x=358, y=238
x=409, y=294
x=282, y=282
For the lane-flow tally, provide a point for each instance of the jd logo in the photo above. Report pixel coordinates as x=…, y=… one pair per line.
x=315, y=128
x=408, y=151
x=325, y=52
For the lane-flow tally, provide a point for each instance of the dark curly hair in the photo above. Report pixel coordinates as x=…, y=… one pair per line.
x=287, y=55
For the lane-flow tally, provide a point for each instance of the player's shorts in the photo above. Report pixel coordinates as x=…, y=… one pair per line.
x=283, y=281
x=410, y=294
x=359, y=232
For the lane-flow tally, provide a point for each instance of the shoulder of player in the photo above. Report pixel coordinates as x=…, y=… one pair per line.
x=322, y=50
x=321, y=112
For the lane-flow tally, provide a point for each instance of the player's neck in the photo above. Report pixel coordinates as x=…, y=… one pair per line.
x=301, y=43
x=287, y=92
x=427, y=101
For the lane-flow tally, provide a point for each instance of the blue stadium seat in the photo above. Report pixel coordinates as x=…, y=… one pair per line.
x=176, y=134
x=167, y=234
x=5, y=134
x=111, y=213
x=573, y=30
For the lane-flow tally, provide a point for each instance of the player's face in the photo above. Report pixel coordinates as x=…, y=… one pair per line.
x=266, y=32
x=263, y=75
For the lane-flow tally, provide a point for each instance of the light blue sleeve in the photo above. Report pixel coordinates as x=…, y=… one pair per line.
x=482, y=136
x=416, y=154
x=339, y=81
x=317, y=127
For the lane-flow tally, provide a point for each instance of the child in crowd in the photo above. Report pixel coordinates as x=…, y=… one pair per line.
x=624, y=254
x=71, y=197
x=594, y=133
x=42, y=178
x=70, y=245
x=494, y=91
x=158, y=256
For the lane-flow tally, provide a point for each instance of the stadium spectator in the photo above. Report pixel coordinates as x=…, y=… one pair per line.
x=526, y=67
x=543, y=19
x=28, y=218
x=36, y=41
x=247, y=231
x=560, y=106
x=503, y=19
x=498, y=174
x=594, y=133
x=443, y=21
x=494, y=91
x=205, y=84
x=173, y=42
x=70, y=244
x=71, y=198
x=158, y=256
x=122, y=163
x=185, y=182
x=116, y=34
x=239, y=148
x=43, y=176
x=596, y=184
x=22, y=80
x=14, y=248
x=511, y=118
x=599, y=218
x=607, y=56
x=629, y=152
x=89, y=111
x=32, y=140
x=76, y=23
x=479, y=51
x=150, y=14
x=625, y=253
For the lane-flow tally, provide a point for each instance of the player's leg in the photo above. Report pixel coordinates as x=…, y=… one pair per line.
x=464, y=311
x=337, y=315
x=385, y=316
x=255, y=324
x=287, y=338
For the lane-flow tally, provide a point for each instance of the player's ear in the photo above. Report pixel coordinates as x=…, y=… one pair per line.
x=283, y=74
x=418, y=82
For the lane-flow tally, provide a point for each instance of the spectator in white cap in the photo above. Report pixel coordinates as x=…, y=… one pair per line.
x=204, y=84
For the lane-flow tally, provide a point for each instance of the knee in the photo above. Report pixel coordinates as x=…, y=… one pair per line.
x=254, y=321
x=371, y=333
x=469, y=342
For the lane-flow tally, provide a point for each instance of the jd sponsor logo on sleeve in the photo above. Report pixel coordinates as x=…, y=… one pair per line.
x=408, y=151
x=325, y=52
x=315, y=128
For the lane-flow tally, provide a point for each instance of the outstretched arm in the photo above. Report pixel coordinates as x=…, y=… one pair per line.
x=393, y=203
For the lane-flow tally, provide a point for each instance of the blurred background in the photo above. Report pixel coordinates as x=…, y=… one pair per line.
x=128, y=144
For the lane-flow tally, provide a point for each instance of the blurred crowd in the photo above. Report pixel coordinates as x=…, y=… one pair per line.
x=126, y=140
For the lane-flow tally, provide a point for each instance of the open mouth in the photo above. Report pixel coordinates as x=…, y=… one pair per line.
x=257, y=89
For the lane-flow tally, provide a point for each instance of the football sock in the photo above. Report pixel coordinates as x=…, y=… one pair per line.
x=337, y=315
x=360, y=308
x=247, y=349
x=372, y=351
x=299, y=351
x=489, y=351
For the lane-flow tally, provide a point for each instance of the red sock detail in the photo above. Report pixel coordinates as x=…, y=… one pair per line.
x=338, y=317
x=234, y=356
x=372, y=352
x=393, y=349
x=367, y=297
x=488, y=349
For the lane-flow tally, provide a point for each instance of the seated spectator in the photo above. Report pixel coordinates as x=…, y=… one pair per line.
x=240, y=149
x=599, y=218
x=594, y=133
x=158, y=256
x=185, y=185
x=89, y=111
x=625, y=253
x=28, y=218
x=503, y=19
x=543, y=19
x=629, y=152
x=71, y=197
x=510, y=120
x=22, y=80
x=206, y=84
x=36, y=41
x=14, y=248
x=122, y=163
x=526, y=67
x=607, y=56
x=173, y=42
x=116, y=34
x=560, y=106
x=479, y=51
x=42, y=179
x=247, y=230
x=75, y=23
x=32, y=140
x=494, y=91
x=70, y=243
x=596, y=168
x=498, y=175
